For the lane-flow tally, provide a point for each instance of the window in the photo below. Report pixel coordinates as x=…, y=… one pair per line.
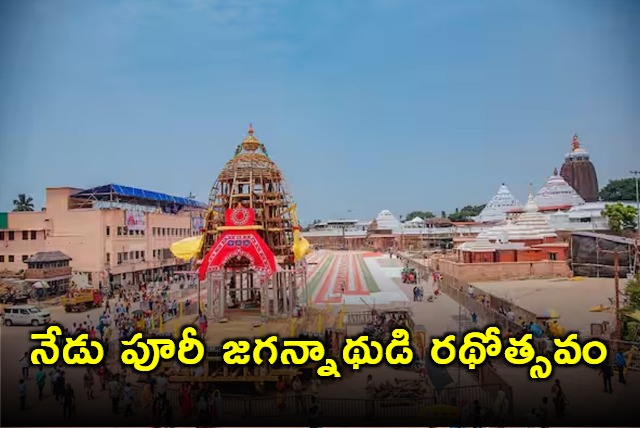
x=34, y=235
x=108, y=230
x=119, y=230
x=12, y=235
x=11, y=259
x=164, y=231
x=108, y=258
x=25, y=235
x=142, y=254
x=131, y=233
x=553, y=256
x=126, y=256
x=1, y=259
x=24, y=258
x=119, y=258
x=137, y=255
x=1, y=236
x=131, y=253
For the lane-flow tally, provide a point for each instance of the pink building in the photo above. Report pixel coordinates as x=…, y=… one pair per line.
x=111, y=232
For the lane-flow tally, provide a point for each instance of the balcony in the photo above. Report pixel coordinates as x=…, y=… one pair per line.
x=48, y=272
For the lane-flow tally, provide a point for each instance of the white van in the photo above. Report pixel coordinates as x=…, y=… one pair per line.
x=26, y=315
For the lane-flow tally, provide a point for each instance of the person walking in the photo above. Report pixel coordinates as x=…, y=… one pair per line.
x=24, y=360
x=185, y=400
x=281, y=388
x=127, y=394
x=53, y=375
x=559, y=398
x=216, y=408
x=314, y=413
x=68, y=402
x=88, y=383
x=296, y=385
x=41, y=378
x=22, y=393
x=60, y=383
x=607, y=373
x=543, y=412
x=621, y=364
x=114, y=393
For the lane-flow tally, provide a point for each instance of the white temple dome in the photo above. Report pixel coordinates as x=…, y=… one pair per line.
x=556, y=192
x=497, y=208
x=386, y=220
x=530, y=225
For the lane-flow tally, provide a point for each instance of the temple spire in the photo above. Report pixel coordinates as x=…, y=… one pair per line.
x=555, y=171
x=575, y=143
x=250, y=142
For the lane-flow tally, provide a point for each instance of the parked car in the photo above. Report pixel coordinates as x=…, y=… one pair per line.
x=26, y=315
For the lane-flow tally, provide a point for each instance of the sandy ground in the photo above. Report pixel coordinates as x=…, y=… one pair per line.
x=571, y=299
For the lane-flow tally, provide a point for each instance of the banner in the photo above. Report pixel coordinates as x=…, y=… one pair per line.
x=135, y=220
x=197, y=224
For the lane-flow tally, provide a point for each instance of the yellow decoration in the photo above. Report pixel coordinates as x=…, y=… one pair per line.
x=161, y=324
x=320, y=325
x=292, y=327
x=301, y=246
x=187, y=248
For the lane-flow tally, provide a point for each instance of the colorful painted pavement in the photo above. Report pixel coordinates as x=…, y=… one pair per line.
x=360, y=273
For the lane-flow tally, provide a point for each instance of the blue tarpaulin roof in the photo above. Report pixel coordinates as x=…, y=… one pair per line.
x=132, y=192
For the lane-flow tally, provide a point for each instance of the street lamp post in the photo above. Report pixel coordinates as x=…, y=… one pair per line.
x=636, y=174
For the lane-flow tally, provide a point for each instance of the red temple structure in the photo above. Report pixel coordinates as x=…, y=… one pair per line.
x=239, y=240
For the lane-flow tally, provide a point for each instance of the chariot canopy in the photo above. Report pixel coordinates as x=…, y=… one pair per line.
x=239, y=239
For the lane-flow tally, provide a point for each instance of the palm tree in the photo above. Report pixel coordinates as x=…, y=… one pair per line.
x=23, y=203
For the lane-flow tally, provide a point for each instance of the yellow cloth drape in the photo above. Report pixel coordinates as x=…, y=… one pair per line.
x=300, y=246
x=187, y=248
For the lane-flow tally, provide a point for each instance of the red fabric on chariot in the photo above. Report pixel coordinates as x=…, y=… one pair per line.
x=239, y=243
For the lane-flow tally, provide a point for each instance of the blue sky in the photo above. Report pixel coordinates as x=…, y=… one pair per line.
x=365, y=105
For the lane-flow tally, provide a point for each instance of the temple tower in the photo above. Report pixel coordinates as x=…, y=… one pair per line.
x=252, y=179
x=579, y=172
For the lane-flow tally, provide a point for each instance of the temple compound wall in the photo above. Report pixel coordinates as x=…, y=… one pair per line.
x=475, y=272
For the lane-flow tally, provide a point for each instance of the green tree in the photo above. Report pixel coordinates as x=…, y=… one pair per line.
x=23, y=203
x=466, y=213
x=620, y=216
x=422, y=214
x=619, y=190
x=632, y=294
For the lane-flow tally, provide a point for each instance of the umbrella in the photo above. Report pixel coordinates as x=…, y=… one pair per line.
x=41, y=284
x=536, y=330
x=635, y=315
x=600, y=308
x=549, y=314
